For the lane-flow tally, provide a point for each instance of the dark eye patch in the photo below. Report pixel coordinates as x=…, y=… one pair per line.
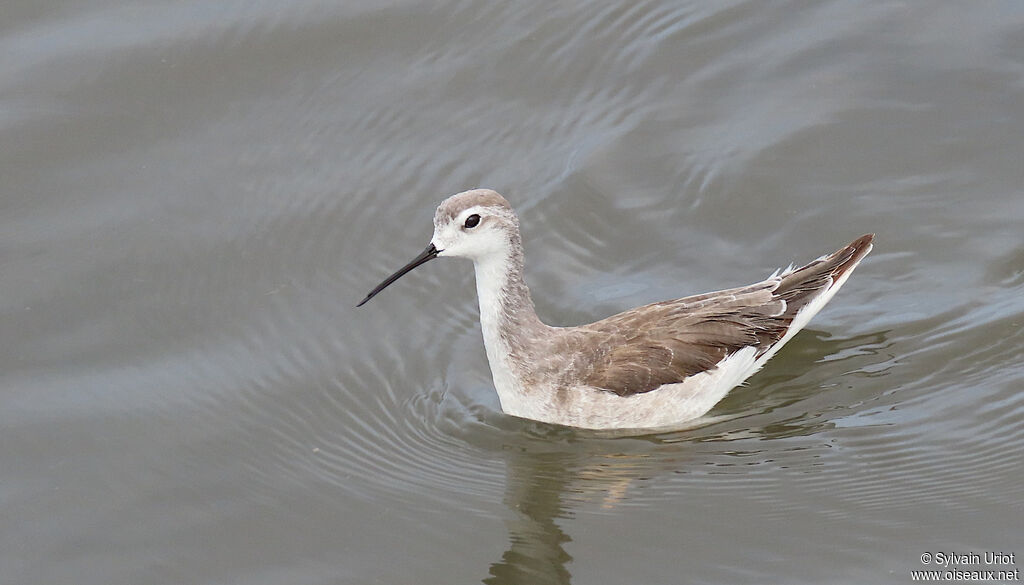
x=472, y=221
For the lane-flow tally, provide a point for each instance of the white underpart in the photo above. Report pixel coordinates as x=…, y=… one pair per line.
x=667, y=407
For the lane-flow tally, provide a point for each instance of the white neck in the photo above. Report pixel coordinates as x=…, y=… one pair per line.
x=507, y=318
x=491, y=275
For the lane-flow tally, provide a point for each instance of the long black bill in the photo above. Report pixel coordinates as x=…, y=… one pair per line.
x=425, y=256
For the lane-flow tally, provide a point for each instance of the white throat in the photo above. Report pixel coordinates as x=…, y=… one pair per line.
x=492, y=274
x=498, y=306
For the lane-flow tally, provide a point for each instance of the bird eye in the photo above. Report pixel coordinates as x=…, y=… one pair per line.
x=472, y=221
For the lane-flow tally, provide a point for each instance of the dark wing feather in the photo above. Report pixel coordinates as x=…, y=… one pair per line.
x=664, y=343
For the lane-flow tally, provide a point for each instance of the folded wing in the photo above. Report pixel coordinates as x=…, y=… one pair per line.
x=666, y=342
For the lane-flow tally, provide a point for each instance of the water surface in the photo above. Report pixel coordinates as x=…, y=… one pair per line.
x=194, y=196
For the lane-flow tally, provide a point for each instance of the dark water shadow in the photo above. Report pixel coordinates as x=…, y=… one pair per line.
x=536, y=553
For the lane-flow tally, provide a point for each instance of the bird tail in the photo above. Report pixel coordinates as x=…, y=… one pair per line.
x=800, y=286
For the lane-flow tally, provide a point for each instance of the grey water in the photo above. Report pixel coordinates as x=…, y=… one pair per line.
x=195, y=195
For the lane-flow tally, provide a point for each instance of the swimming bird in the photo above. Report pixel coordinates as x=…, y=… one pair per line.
x=653, y=367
